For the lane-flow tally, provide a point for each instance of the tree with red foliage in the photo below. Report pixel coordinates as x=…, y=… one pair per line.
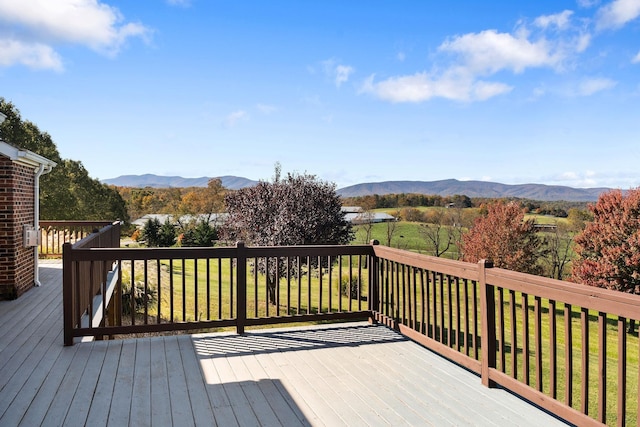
x=608, y=249
x=504, y=237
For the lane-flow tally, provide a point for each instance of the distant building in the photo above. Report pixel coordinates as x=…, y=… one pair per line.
x=356, y=215
x=215, y=219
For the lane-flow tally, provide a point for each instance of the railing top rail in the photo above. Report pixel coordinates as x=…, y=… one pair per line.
x=308, y=250
x=87, y=254
x=87, y=241
x=45, y=222
x=463, y=270
x=604, y=300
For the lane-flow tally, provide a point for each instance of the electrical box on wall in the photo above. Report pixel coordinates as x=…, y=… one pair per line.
x=30, y=236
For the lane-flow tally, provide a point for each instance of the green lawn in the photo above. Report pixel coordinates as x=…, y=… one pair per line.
x=202, y=290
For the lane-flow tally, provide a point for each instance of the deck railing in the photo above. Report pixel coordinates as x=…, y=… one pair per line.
x=53, y=234
x=565, y=347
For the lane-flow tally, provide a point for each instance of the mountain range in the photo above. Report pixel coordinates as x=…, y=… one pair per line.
x=447, y=187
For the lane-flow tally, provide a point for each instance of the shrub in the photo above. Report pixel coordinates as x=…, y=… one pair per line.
x=349, y=287
x=141, y=298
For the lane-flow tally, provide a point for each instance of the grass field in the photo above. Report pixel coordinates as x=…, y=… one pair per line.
x=193, y=290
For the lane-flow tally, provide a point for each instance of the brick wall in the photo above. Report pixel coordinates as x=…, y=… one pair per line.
x=17, y=263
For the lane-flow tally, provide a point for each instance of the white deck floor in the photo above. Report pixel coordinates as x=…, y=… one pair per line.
x=347, y=374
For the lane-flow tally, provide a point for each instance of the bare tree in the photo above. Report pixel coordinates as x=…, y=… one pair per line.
x=366, y=217
x=391, y=228
x=437, y=231
x=559, y=243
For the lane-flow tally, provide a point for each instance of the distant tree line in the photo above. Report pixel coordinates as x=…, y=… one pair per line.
x=558, y=209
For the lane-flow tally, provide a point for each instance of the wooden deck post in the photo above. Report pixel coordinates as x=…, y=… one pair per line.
x=67, y=294
x=373, y=300
x=241, y=286
x=488, y=316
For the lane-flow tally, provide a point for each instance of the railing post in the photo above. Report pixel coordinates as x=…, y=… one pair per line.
x=67, y=294
x=241, y=286
x=488, y=316
x=374, y=281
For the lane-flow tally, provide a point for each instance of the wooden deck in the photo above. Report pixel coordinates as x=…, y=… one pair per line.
x=346, y=374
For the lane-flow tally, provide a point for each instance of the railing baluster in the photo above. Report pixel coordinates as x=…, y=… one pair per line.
x=184, y=289
x=132, y=293
x=525, y=338
x=196, y=313
x=309, y=285
x=329, y=283
x=159, y=292
x=602, y=367
x=220, y=291
x=501, y=345
x=441, y=307
x=514, y=334
x=474, y=338
x=434, y=306
x=423, y=303
x=146, y=292
x=277, y=286
x=288, y=312
x=553, y=350
x=231, y=293
x=299, y=282
x=360, y=284
x=467, y=332
x=450, y=313
x=584, y=387
x=622, y=371
x=537, y=333
x=568, y=354
x=208, y=286
x=171, y=292
x=403, y=282
x=319, y=309
x=457, y=335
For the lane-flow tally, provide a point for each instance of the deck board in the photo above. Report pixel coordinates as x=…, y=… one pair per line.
x=329, y=375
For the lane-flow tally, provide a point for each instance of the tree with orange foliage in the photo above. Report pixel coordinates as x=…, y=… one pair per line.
x=504, y=237
x=608, y=249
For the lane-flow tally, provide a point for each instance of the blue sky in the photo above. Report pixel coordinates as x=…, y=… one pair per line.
x=351, y=91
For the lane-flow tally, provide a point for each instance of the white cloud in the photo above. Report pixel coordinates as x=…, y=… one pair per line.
x=401, y=56
x=342, y=74
x=421, y=87
x=266, y=108
x=587, y=3
x=587, y=179
x=181, y=3
x=617, y=13
x=490, y=51
x=33, y=55
x=590, y=86
x=42, y=24
x=636, y=59
x=560, y=20
x=234, y=118
x=339, y=73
